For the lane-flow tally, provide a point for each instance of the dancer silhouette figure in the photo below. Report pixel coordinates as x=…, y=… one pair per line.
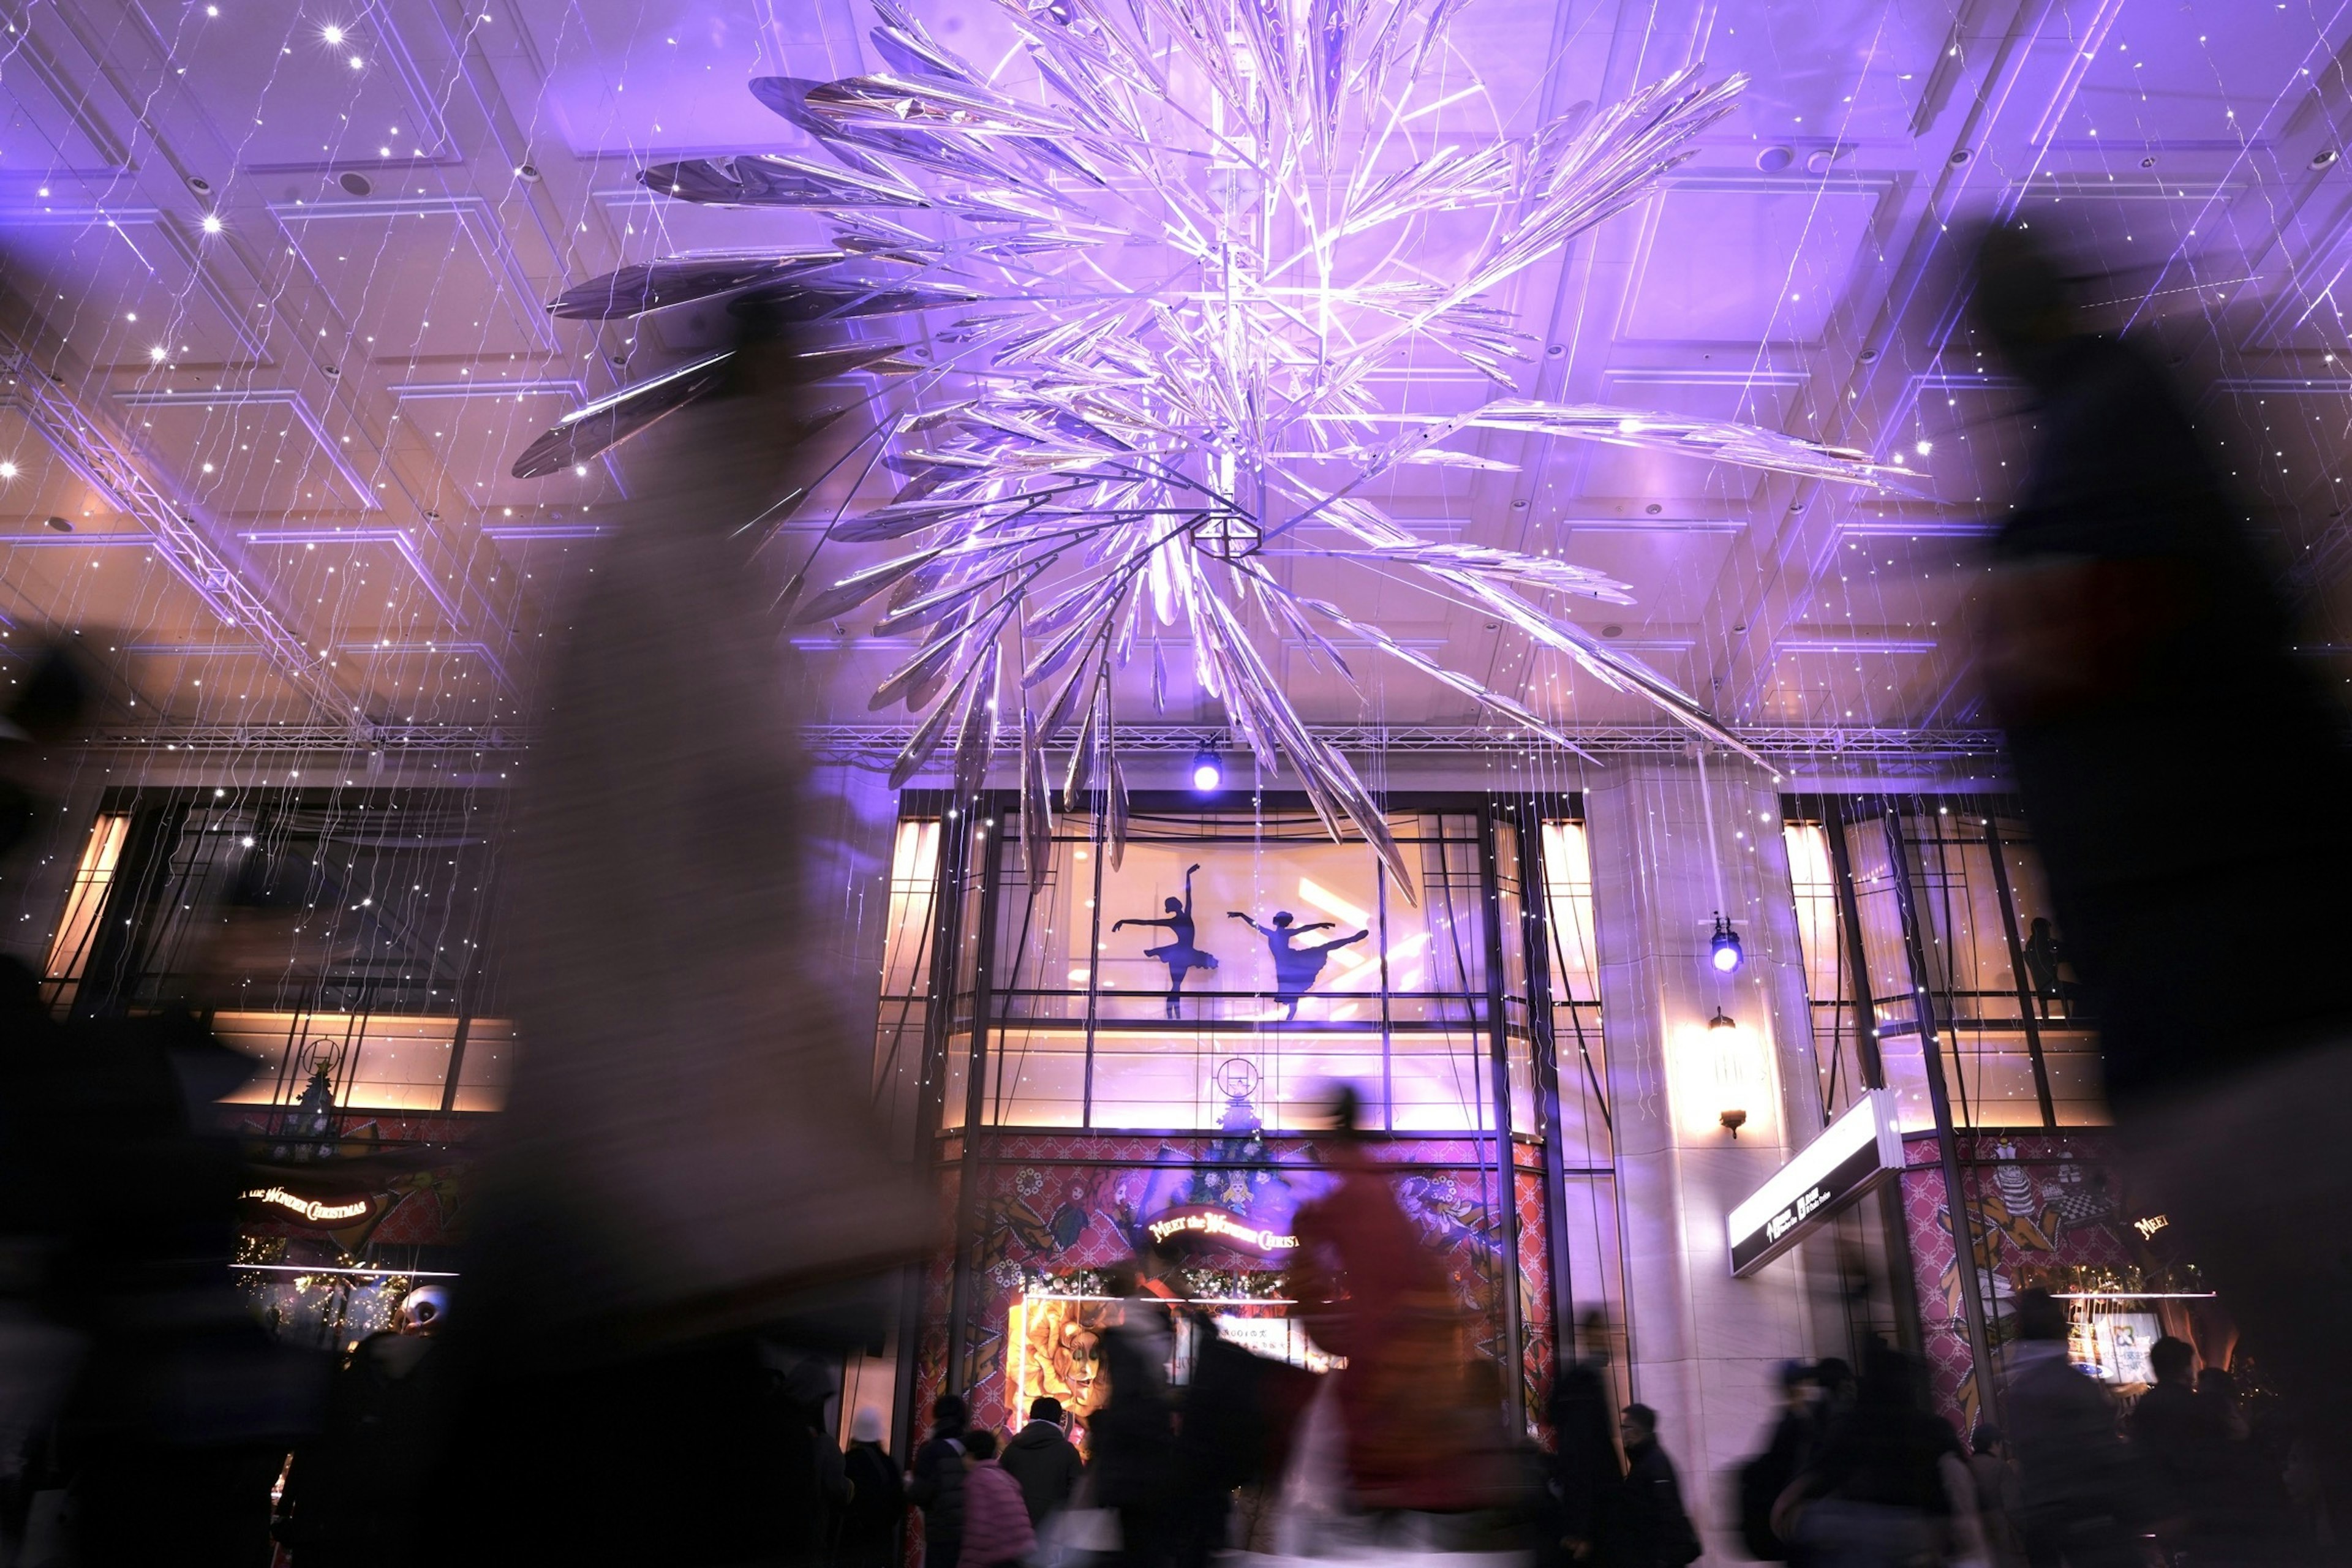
x=1180, y=955
x=1294, y=968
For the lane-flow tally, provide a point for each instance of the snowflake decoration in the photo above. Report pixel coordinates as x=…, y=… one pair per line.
x=1185, y=243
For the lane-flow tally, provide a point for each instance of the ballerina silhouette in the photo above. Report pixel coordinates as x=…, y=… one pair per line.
x=1294, y=968
x=1180, y=955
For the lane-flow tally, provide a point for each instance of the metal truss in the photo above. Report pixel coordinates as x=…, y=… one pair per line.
x=86, y=446
x=874, y=745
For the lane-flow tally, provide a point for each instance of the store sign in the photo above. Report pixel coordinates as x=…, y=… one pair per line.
x=1222, y=1227
x=318, y=1211
x=1828, y=1173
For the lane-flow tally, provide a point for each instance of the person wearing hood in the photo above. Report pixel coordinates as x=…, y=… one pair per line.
x=1041, y=1457
x=877, y=1497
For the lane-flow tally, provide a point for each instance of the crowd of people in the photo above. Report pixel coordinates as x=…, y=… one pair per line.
x=1859, y=1473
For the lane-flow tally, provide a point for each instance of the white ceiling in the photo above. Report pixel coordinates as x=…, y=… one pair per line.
x=350, y=364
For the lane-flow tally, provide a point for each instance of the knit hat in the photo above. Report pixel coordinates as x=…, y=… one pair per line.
x=866, y=1426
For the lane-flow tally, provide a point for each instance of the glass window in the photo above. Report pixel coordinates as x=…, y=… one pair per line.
x=1219, y=966
x=1577, y=1047
x=70, y=953
x=1992, y=977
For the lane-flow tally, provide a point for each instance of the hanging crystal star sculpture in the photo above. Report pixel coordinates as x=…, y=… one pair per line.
x=1185, y=246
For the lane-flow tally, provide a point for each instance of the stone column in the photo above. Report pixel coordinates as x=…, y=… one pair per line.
x=1706, y=1348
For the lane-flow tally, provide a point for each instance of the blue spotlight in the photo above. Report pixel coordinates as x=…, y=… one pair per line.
x=1208, y=769
x=1724, y=951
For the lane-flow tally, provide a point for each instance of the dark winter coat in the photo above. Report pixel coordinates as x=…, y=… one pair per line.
x=1658, y=1532
x=1047, y=1466
x=877, y=1500
x=938, y=1491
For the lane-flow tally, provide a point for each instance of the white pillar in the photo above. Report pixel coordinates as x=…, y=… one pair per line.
x=1706, y=1348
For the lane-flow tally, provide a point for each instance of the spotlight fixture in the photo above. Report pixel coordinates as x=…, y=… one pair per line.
x=1722, y=1020
x=1733, y=1121
x=1208, y=768
x=1723, y=949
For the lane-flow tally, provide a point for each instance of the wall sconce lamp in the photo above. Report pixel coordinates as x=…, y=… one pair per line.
x=1732, y=1121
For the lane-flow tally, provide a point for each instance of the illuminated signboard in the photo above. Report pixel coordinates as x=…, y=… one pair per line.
x=316, y=1210
x=1830, y=1172
x=1202, y=1223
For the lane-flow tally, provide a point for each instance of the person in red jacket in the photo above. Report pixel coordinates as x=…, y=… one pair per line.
x=996, y=1528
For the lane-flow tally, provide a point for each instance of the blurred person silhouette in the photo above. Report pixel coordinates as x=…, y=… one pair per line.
x=1658, y=1532
x=1180, y=955
x=688, y=1174
x=1370, y=1289
x=1132, y=1435
x=2085, y=1494
x=1796, y=1436
x=2042, y=956
x=166, y=1410
x=1296, y=968
x=2129, y=605
x=1879, y=1492
x=996, y=1528
x=1587, y=1471
x=877, y=1498
x=1998, y=1499
x=354, y=1493
x=1224, y=1437
x=2183, y=1444
x=936, y=1481
x=1041, y=1457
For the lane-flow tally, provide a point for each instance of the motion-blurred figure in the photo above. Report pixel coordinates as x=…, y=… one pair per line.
x=687, y=1177
x=2130, y=611
x=1879, y=1492
x=354, y=1496
x=1796, y=1437
x=171, y=1409
x=2000, y=1500
x=2086, y=1495
x=877, y=1498
x=1370, y=1289
x=1589, y=1473
x=1658, y=1532
x=1133, y=1436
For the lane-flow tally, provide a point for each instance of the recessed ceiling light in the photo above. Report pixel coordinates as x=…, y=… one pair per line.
x=2323, y=158
x=199, y=184
x=62, y=525
x=355, y=184
x=1773, y=160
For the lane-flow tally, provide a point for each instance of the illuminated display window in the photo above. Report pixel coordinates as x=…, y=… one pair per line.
x=1134, y=992
x=1979, y=965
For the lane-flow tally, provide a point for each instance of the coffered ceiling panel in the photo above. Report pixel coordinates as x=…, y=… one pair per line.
x=256, y=454
x=121, y=288
x=418, y=280
x=350, y=363
x=327, y=86
x=474, y=432
x=1734, y=260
